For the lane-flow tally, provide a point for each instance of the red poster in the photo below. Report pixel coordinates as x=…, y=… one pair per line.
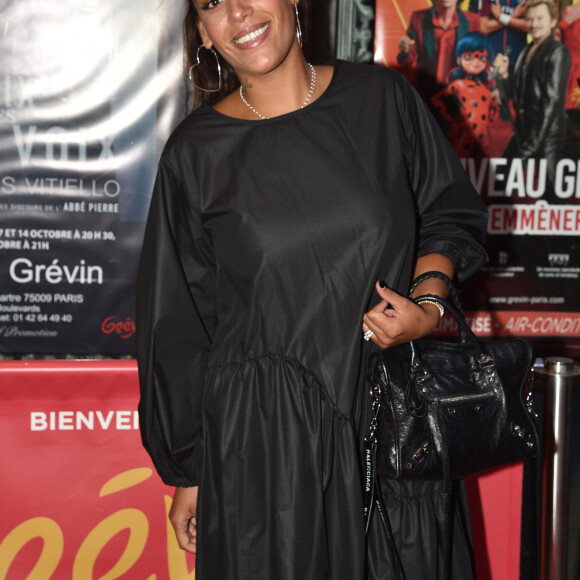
x=80, y=498
x=525, y=167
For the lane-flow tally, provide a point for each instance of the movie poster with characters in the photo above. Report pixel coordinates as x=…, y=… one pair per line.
x=502, y=78
x=87, y=99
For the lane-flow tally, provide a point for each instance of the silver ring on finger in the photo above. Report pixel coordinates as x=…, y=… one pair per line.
x=367, y=335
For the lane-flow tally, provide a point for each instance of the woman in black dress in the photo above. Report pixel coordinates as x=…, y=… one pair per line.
x=277, y=207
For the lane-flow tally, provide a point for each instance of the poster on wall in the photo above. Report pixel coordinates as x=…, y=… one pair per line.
x=503, y=81
x=91, y=460
x=89, y=91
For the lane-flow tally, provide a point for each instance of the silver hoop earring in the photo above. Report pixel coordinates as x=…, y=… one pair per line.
x=198, y=63
x=298, y=27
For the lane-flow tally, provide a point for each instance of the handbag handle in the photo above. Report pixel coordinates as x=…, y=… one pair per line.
x=466, y=335
x=441, y=276
x=481, y=362
x=453, y=296
x=466, y=332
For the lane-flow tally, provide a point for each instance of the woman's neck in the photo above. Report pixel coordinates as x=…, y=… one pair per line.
x=278, y=92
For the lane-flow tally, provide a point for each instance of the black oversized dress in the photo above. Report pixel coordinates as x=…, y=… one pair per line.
x=262, y=249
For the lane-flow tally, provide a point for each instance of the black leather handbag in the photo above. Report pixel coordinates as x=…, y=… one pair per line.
x=450, y=409
x=442, y=410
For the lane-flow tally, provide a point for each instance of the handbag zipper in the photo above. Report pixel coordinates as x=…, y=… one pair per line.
x=463, y=398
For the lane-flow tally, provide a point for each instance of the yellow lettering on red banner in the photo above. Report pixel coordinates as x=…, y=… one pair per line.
x=133, y=520
x=125, y=480
x=50, y=533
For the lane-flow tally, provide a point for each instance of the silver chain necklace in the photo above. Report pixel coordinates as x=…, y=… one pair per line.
x=306, y=100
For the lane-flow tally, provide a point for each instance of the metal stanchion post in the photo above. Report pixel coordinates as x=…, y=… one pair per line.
x=559, y=372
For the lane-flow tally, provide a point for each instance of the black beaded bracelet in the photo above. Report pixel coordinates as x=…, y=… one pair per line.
x=441, y=276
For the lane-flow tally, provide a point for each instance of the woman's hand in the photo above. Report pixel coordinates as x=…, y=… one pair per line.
x=182, y=517
x=403, y=321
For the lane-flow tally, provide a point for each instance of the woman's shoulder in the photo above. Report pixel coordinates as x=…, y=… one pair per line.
x=195, y=130
x=374, y=94
x=368, y=73
x=191, y=125
x=365, y=82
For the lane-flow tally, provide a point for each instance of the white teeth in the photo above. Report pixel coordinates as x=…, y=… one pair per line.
x=252, y=35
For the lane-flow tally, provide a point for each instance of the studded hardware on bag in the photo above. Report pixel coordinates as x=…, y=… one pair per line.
x=442, y=410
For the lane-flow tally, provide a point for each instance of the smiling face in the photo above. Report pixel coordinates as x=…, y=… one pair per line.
x=254, y=36
x=540, y=23
x=473, y=62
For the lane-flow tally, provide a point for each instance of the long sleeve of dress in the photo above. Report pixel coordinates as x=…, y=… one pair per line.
x=175, y=284
x=452, y=216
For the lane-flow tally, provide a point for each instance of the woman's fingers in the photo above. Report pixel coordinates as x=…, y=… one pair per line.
x=384, y=328
x=182, y=516
x=396, y=319
x=186, y=534
x=390, y=296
